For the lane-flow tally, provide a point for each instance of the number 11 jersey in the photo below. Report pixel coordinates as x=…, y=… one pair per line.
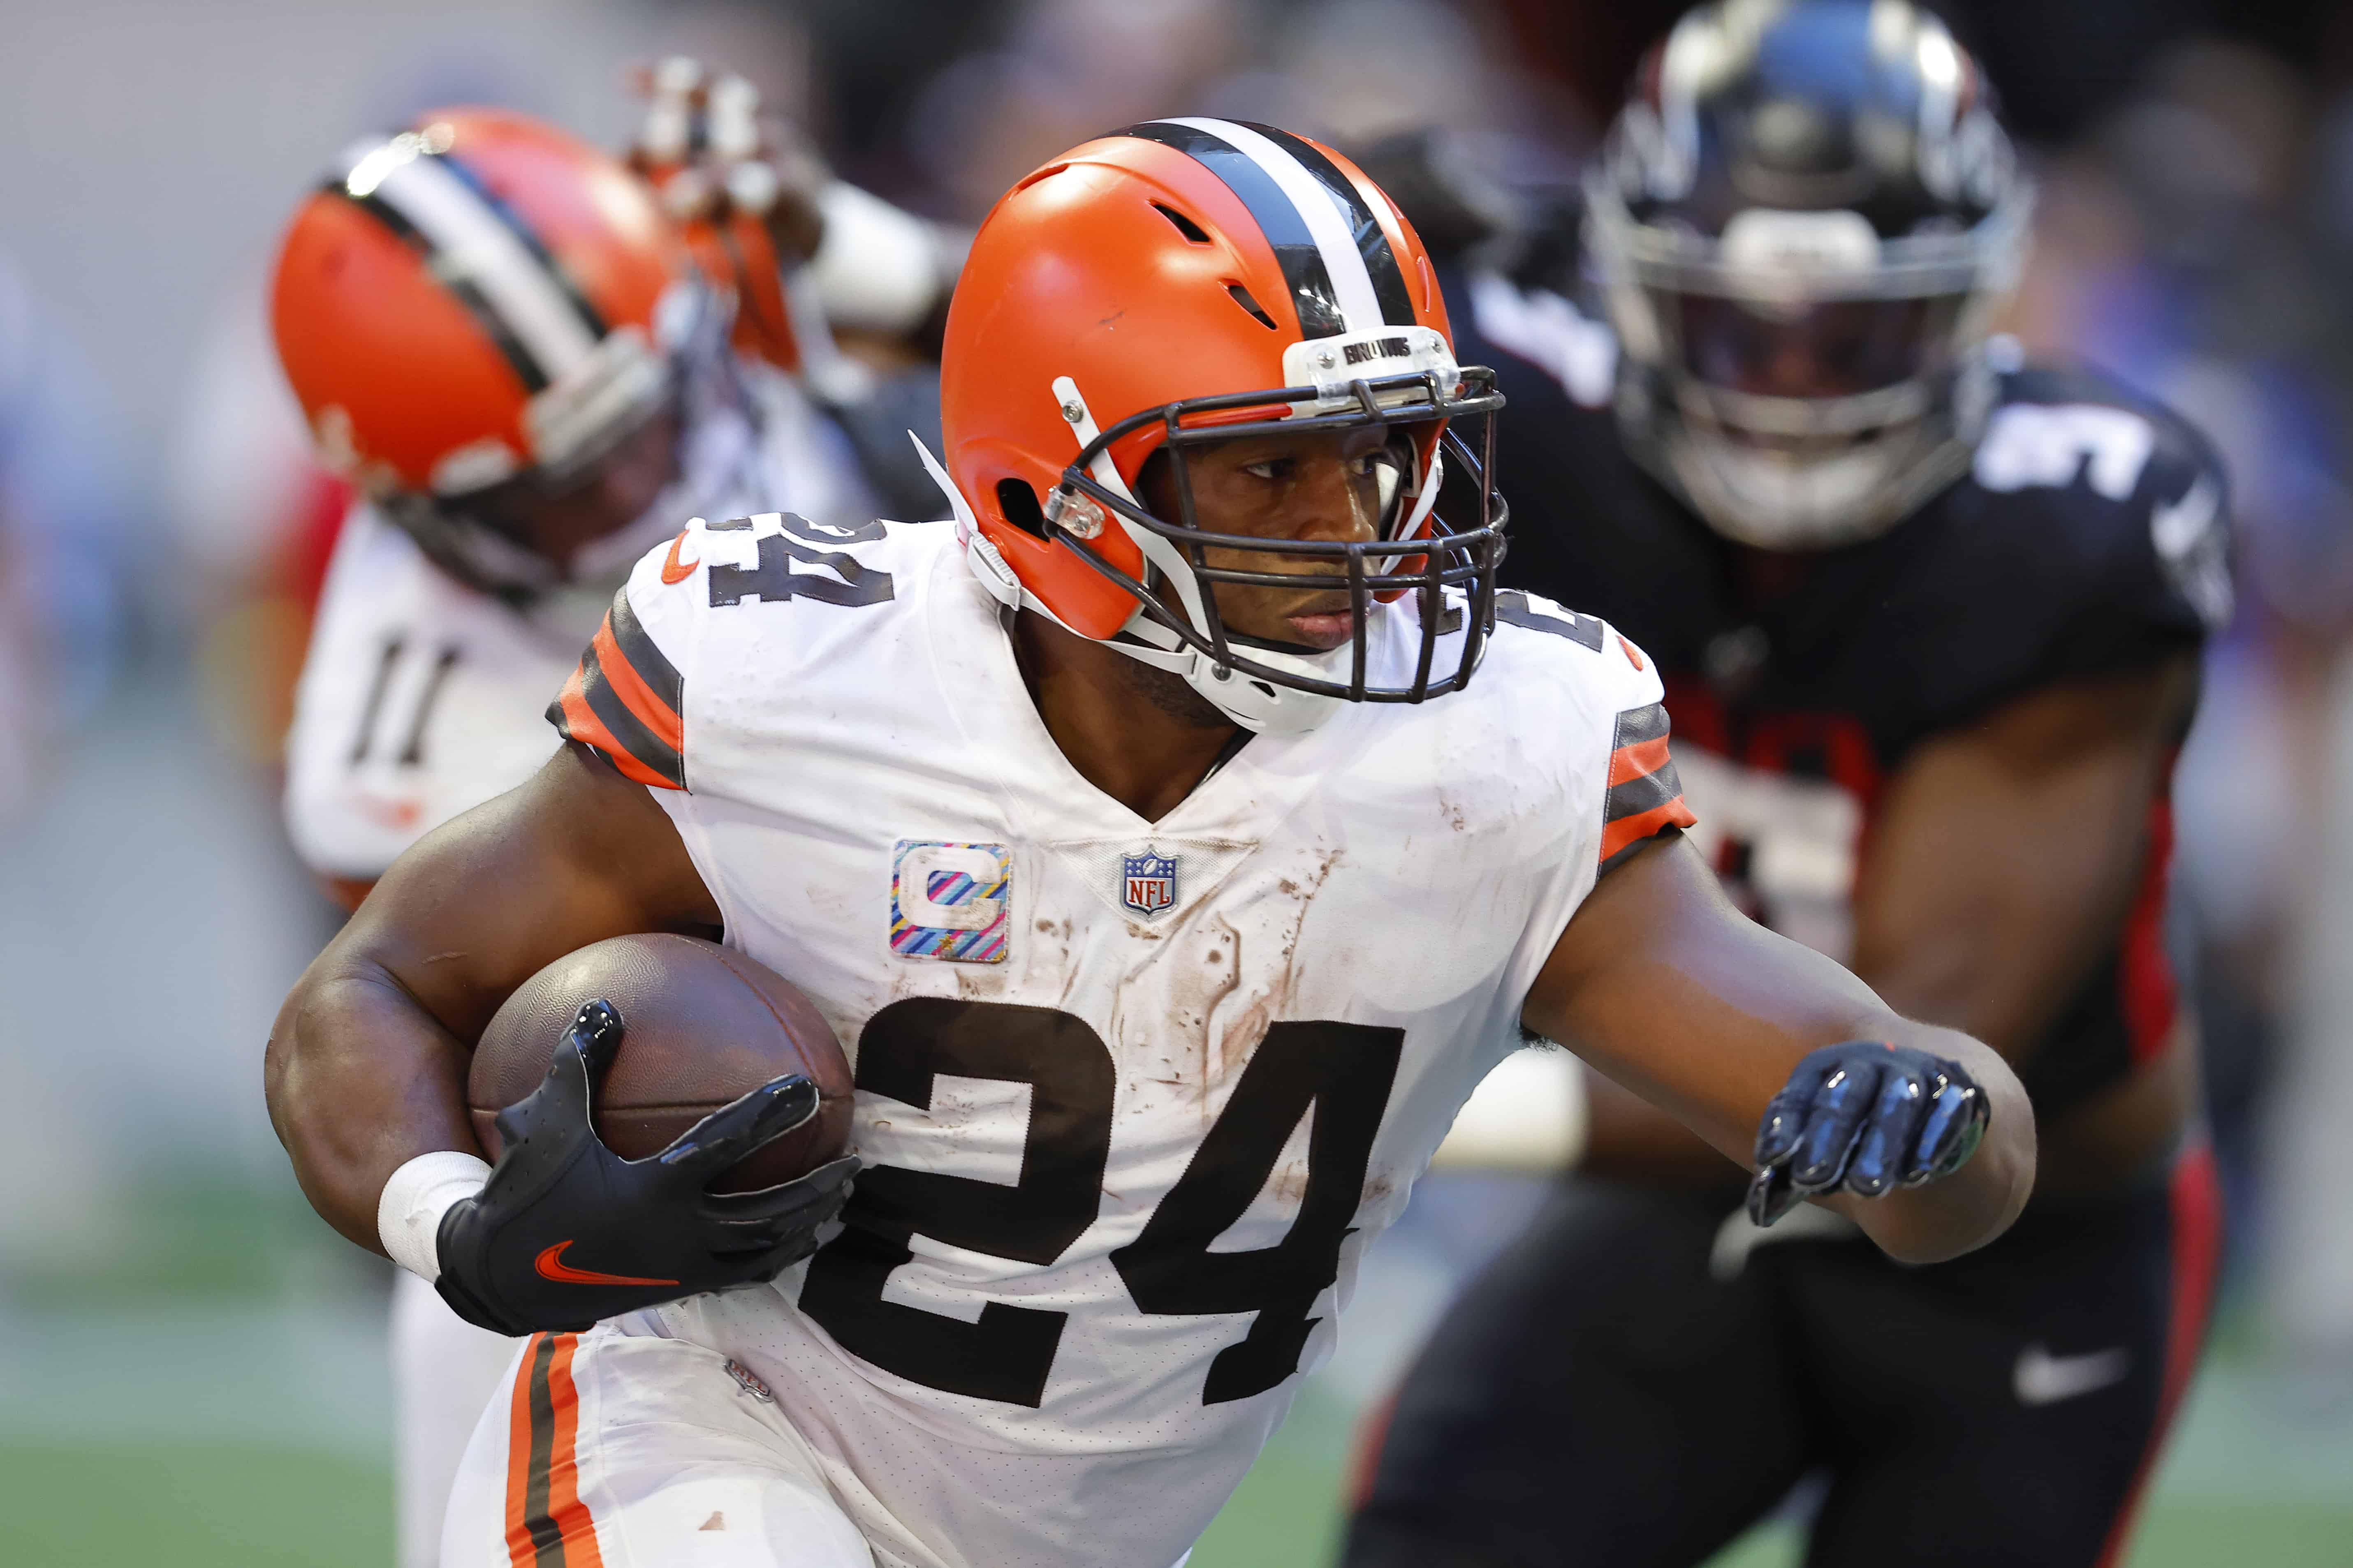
x=1132, y=1096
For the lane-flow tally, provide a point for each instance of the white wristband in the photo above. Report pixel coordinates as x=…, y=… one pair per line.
x=409, y=1215
x=1529, y=1115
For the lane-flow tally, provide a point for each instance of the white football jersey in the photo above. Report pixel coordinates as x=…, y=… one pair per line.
x=421, y=698
x=1132, y=1096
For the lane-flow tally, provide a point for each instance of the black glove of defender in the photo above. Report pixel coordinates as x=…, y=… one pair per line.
x=567, y=1233
x=1864, y=1117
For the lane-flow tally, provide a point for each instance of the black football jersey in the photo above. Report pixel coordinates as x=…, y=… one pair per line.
x=2088, y=538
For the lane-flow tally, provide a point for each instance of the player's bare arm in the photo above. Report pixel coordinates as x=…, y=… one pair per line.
x=2003, y=860
x=366, y=1064
x=1664, y=986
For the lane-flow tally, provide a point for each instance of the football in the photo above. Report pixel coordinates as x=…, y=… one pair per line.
x=700, y=1025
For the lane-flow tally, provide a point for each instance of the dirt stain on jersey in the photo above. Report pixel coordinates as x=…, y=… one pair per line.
x=1189, y=1015
x=1239, y=1039
x=1183, y=998
x=1290, y=1184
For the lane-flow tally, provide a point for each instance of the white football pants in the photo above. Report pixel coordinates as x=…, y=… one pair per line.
x=607, y=1450
x=444, y=1371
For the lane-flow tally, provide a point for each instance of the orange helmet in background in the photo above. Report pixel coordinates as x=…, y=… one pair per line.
x=1193, y=280
x=479, y=298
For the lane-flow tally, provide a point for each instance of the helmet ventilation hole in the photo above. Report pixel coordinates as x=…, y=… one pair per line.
x=1192, y=231
x=1048, y=173
x=1019, y=503
x=1242, y=298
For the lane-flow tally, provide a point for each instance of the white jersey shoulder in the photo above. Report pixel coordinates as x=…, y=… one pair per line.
x=419, y=698
x=1132, y=1096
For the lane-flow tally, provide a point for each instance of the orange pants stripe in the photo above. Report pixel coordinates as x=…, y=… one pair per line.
x=547, y=1524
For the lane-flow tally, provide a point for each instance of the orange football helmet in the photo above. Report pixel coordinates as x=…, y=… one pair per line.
x=1187, y=281
x=478, y=298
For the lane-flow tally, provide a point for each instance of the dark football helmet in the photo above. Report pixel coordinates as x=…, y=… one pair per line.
x=1802, y=222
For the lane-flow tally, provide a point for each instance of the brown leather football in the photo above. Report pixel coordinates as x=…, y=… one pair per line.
x=700, y=1024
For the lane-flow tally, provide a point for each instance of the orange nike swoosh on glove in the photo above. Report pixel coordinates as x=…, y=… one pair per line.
x=551, y=1266
x=676, y=571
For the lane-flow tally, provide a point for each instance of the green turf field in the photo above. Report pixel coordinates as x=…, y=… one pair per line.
x=114, y=1505
x=246, y=1504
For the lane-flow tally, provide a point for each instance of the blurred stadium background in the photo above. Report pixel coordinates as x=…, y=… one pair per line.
x=191, y=1367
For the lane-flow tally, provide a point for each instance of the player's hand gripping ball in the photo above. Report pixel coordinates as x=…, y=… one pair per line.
x=567, y=1232
x=1863, y=1118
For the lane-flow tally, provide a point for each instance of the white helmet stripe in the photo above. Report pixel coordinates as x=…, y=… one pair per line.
x=1327, y=225
x=476, y=245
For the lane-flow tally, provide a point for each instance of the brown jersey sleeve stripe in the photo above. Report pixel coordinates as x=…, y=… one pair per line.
x=1636, y=725
x=645, y=704
x=624, y=700
x=1643, y=797
x=632, y=732
x=660, y=677
x=1642, y=773
x=1640, y=793
x=577, y=718
x=547, y=1524
x=1622, y=837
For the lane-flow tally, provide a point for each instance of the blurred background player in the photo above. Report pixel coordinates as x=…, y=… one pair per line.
x=502, y=339
x=1929, y=622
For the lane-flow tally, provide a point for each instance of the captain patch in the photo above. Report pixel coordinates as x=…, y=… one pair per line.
x=950, y=901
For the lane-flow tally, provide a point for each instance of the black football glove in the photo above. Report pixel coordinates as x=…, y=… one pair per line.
x=1863, y=1118
x=567, y=1233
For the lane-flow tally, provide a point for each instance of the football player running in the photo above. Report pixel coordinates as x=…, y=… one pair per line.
x=497, y=332
x=1928, y=622
x=1150, y=844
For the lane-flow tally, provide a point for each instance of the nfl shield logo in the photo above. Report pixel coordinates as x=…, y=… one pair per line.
x=1148, y=882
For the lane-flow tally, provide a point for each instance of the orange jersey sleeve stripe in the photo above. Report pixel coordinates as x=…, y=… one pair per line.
x=575, y=719
x=1622, y=835
x=657, y=716
x=1643, y=797
x=548, y=1526
x=625, y=701
x=1639, y=760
